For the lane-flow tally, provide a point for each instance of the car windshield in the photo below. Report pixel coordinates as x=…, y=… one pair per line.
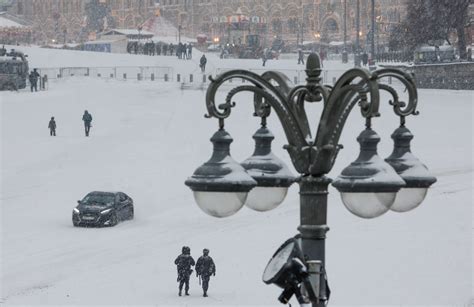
x=99, y=199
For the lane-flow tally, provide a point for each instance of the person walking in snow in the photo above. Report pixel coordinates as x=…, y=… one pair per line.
x=52, y=127
x=33, y=78
x=365, y=58
x=87, y=118
x=300, y=57
x=184, y=262
x=264, y=58
x=202, y=63
x=205, y=267
x=190, y=51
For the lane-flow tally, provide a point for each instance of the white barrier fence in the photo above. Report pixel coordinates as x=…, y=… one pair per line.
x=166, y=74
x=118, y=72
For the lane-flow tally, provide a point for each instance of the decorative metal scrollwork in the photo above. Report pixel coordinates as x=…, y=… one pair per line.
x=272, y=89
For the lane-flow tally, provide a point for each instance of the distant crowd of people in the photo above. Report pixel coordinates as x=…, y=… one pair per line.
x=182, y=50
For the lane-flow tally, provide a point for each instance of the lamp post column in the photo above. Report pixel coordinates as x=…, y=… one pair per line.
x=313, y=223
x=344, y=51
x=372, y=31
x=357, y=51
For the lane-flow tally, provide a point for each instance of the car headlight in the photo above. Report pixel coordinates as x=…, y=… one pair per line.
x=105, y=211
x=75, y=210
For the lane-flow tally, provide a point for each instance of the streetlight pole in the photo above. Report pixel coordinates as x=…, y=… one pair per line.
x=372, y=32
x=369, y=186
x=344, y=52
x=357, y=51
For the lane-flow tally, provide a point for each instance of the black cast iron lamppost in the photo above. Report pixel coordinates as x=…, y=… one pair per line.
x=369, y=186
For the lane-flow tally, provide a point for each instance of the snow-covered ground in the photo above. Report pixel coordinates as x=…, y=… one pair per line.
x=147, y=138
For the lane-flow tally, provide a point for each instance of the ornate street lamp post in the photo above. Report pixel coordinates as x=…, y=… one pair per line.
x=369, y=187
x=372, y=31
x=357, y=44
x=344, y=51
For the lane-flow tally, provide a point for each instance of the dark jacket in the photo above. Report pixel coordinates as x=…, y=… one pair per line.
x=33, y=77
x=184, y=263
x=203, y=61
x=205, y=266
x=87, y=118
x=52, y=124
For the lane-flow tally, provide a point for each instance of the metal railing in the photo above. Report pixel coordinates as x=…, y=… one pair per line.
x=167, y=74
x=116, y=72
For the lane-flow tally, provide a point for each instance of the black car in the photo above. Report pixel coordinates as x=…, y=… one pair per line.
x=103, y=209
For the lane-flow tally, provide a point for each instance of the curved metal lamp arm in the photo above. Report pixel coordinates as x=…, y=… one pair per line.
x=261, y=88
x=400, y=108
x=281, y=80
x=337, y=108
x=272, y=89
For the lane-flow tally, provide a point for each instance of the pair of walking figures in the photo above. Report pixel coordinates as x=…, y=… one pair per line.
x=205, y=267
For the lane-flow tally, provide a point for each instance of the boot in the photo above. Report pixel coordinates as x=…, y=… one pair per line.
x=186, y=293
x=179, y=293
x=205, y=294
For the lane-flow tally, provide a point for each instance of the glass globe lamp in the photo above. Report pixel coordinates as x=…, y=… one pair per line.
x=416, y=175
x=272, y=175
x=220, y=186
x=368, y=186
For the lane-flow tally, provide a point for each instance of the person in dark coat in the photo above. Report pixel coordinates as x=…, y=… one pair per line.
x=52, y=127
x=152, y=48
x=205, y=267
x=158, y=48
x=190, y=51
x=365, y=58
x=300, y=57
x=202, y=63
x=33, y=78
x=184, y=262
x=87, y=118
x=264, y=58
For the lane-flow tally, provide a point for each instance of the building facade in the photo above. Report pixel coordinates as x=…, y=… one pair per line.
x=296, y=20
x=67, y=20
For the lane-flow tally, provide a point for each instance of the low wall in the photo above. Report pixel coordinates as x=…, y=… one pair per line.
x=454, y=76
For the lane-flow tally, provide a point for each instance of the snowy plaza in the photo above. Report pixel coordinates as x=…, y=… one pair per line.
x=149, y=136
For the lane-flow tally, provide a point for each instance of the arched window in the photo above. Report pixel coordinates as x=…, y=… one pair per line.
x=331, y=25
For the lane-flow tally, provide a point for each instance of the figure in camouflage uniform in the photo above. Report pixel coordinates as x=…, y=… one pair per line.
x=205, y=267
x=184, y=262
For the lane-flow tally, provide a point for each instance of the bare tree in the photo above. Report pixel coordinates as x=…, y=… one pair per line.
x=431, y=22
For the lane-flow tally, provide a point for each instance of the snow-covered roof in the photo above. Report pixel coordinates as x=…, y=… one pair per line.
x=4, y=22
x=336, y=43
x=128, y=32
x=104, y=41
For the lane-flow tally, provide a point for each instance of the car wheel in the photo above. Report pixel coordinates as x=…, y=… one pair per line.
x=113, y=219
